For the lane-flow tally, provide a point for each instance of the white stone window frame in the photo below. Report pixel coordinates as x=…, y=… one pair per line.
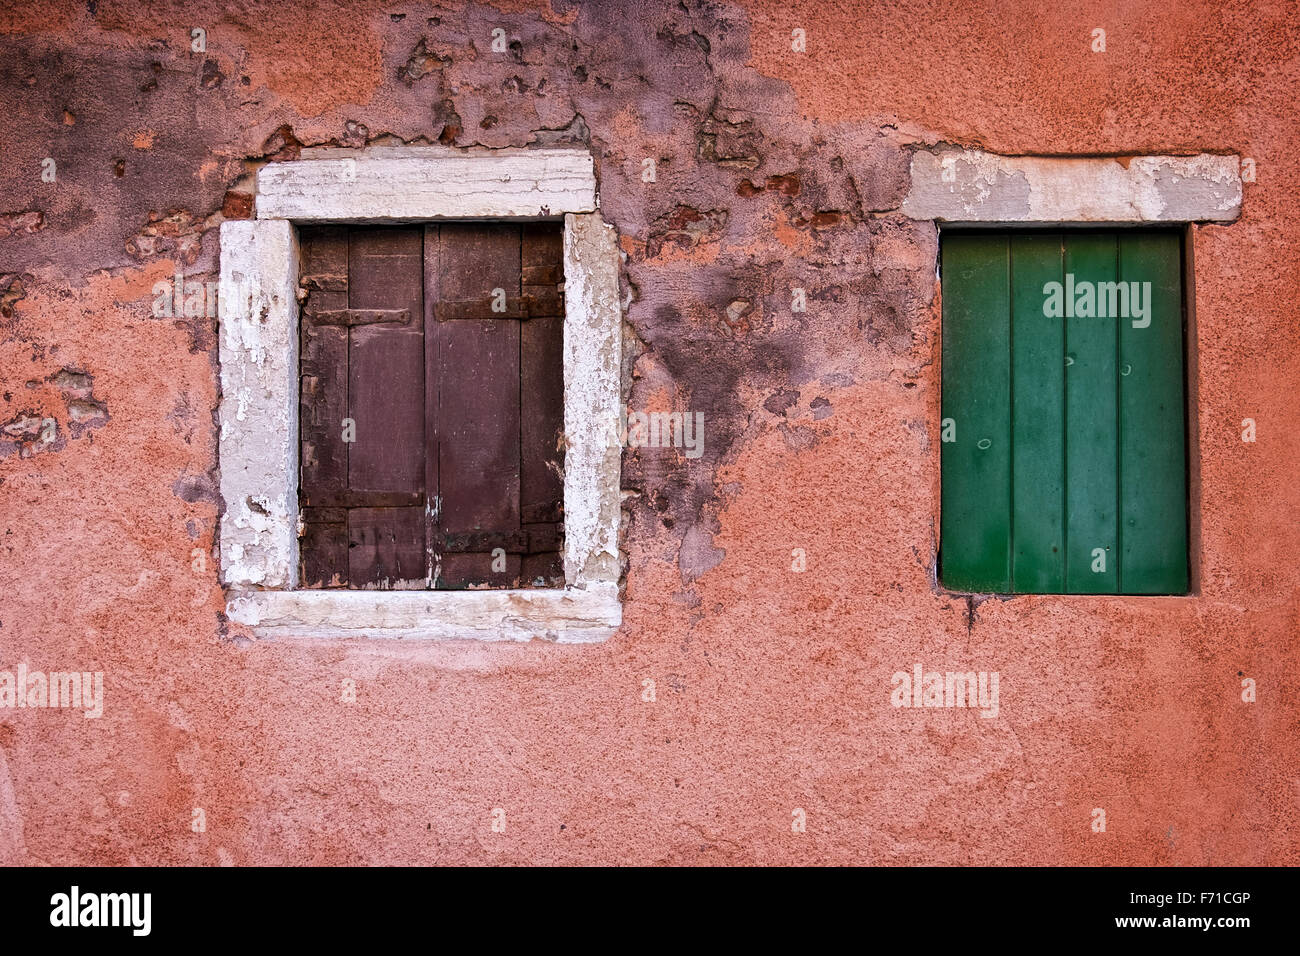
x=259, y=442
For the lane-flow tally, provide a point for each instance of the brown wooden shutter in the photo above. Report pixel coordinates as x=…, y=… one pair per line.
x=323, y=457
x=541, y=397
x=443, y=345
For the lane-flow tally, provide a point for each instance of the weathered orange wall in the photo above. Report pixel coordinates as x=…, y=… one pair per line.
x=821, y=429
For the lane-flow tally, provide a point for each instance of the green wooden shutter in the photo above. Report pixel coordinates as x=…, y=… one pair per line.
x=1062, y=434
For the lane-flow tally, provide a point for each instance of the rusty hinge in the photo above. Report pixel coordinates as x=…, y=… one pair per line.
x=529, y=305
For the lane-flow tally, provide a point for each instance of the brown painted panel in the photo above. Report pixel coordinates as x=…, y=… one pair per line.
x=323, y=393
x=541, y=390
x=324, y=252
x=542, y=255
x=545, y=301
x=544, y=570
x=329, y=515
x=323, y=402
x=361, y=316
x=386, y=392
x=386, y=362
x=511, y=542
x=541, y=394
x=550, y=275
x=432, y=390
x=458, y=571
x=323, y=549
x=323, y=405
x=478, y=431
x=478, y=257
x=505, y=307
x=347, y=498
x=478, y=404
x=386, y=548
x=385, y=267
x=542, y=245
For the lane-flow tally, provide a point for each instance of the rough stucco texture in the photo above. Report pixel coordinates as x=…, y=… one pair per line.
x=774, y=169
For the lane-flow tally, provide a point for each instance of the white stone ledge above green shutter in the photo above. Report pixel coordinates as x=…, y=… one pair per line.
x=971, y=186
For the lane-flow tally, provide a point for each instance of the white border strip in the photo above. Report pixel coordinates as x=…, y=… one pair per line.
x=569, y=616
x=423, y=183
x=971, y=186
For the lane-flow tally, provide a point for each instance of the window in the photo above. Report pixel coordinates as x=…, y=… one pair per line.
x=1063, y=436
x=453, y=406
x=432, y=406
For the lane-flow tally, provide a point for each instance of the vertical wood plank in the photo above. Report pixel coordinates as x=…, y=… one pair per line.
x=975, y=534
x=478, y=447
x=478, y=404
x=541, y=391
x=541, y=487
x=1153, y=503
x=323, y=403
x=386, y=367
x=323, y=548
x=1091, y=415
x=432, y=400
x=1037, y=417
x=479, y=258
x=386, y=399
x=323, y=395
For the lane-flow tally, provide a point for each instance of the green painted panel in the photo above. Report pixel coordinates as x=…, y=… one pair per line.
x=1037, y=417
x=1153, y=501
x=1063, y=432
x=1091, y=419
x=975, y=520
